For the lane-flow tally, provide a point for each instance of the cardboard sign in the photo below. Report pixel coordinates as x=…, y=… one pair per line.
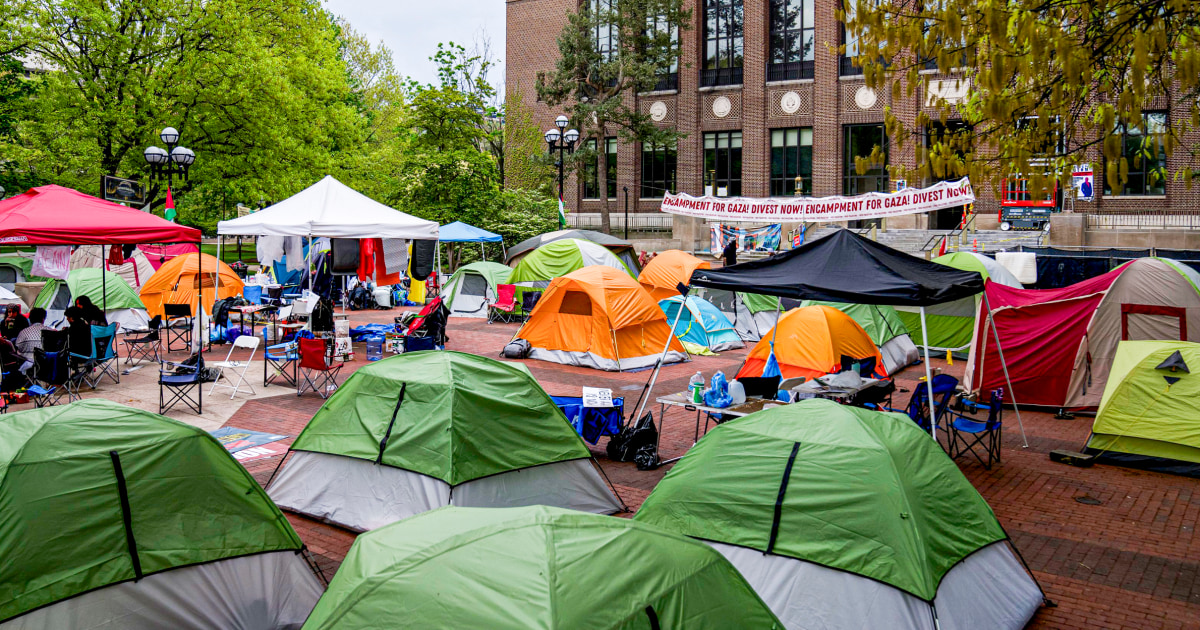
x=234, y=439
x=597, y=397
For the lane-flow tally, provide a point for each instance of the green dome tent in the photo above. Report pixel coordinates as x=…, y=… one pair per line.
x=534, y=567
x=123, y=304
x=1149, y=416
x=557, y=259
x=886, y=329
x=422, y=430
x=952, y=324
x=471, y=288
x=847, y=515
x=117, y=517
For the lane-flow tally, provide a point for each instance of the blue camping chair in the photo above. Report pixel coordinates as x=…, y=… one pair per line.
x=944, y=387
x=279, y=363
x=253, y=293
x=103, y=355
x=967, y=434
x=184, y=384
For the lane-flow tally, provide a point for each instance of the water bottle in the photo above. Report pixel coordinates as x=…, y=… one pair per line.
x=696, y=384
x=737, y=392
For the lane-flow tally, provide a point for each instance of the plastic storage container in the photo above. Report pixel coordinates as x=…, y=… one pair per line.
x=374, y=348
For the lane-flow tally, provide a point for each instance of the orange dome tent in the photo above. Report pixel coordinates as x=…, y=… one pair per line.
x=601, y=318
x=667, y=270
x=176, y=281
x=811, y=342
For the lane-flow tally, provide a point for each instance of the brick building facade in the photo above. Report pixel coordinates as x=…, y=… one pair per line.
x=820, y=96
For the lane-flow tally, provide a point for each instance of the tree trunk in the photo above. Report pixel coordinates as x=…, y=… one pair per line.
x=602, y=144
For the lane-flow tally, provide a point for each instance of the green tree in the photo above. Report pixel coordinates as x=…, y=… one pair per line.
x=526, y=162
x=1049, y=79
x=598, y=79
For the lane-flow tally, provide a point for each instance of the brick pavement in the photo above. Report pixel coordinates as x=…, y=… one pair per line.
x=1132, y=561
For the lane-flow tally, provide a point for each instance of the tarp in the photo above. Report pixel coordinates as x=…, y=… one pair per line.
x=622, y=248
x=177, y=282
x=158, y=255
x=459, y=232
x=332, y=209
x=811, y=341
x=63, y=471
x=535, y=567
x=869, y=493
x=701, y=323
x=462, y=417
x=1149, y=410
x=1145, y=299
x=599, y=317
x=845, y=267
x=54, y=215
x=951, y=324
x=667, y=270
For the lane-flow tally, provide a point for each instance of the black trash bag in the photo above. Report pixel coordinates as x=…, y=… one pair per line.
x=624, y=446
x=190, y=364
x=646, y=457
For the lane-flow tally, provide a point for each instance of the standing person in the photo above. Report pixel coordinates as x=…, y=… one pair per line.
x=14, y=322
x=730, y=253
x=30, y=339
x=90, y=312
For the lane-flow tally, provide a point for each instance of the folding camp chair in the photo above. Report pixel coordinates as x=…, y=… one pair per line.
x=529, y=299
x=968, y=433
x=944, y=387
x=279, y=363
x=178, y=324
x=52, y=377
x=317, y=372
x=244, y=341
x=504, y=307
x=147, y=346
x=103, y=355
x=183, y=382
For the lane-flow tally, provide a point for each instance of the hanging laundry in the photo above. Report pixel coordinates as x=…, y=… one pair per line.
x=395, y=254
x=116, y=256
x=269, y=250
x=371, y=263
x=52, y=261
x=293, y=250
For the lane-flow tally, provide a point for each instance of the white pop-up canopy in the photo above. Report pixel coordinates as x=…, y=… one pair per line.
x=331, y=209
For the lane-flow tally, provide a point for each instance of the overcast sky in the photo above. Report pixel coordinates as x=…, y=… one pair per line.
x=412, y=29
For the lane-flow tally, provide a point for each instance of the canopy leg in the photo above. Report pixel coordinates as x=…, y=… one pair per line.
x=1004, y=366
x=928, y=376
x=103, y=284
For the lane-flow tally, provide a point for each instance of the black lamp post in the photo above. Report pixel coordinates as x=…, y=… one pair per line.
x=562, y=140
x=173, y=160
x=626, y=189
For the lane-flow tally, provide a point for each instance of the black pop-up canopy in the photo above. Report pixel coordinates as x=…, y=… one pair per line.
x=845, y=267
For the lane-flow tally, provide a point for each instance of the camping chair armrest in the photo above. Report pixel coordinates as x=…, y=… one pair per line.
x=174, y=365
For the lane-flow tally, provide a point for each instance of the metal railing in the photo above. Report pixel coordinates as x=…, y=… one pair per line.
x=956, y=233
x=640, y=222
x=1139, y=220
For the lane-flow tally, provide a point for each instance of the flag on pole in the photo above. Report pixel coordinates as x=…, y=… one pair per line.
x=169, y=213
x=562, y=213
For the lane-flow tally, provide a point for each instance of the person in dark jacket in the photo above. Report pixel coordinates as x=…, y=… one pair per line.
x=90, y=312
x=14, y=322
x=730, y=253
x=79, y=332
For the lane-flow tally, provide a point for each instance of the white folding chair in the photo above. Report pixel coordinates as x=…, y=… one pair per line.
x=237, y=367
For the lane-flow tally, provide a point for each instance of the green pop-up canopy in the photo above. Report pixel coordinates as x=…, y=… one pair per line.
x=95, y=493
x=534, y=567
x=462, y=417
x=868, y=493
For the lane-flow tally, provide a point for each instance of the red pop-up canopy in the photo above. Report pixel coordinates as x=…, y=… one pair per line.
x=54, y=215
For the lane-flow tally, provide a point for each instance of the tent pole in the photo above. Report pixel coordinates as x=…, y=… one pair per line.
x=658, y=366
x=309, y=261
x=928, y=376
x=1007, y=381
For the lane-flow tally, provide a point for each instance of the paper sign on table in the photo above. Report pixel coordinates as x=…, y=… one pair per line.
x=597, y=397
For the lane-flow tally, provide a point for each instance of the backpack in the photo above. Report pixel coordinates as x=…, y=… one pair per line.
x=322, y=316
x=359, y=297
x=516, y=349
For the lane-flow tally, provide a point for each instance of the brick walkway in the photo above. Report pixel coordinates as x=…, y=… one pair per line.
x=1132, y=561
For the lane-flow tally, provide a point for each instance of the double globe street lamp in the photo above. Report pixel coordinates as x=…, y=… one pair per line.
x=562, y=140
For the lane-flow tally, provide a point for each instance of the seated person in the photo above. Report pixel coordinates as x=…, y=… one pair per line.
x=30, y=339
x=90, y=312
x=14, y=322
x=79, y=332
x=12, y=362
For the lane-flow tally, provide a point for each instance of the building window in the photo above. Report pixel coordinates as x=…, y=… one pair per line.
x=658, y=170
x=792, y=47
x=860, y=142
x=668, y=79
x=723, y=163
x=1145, y=156
x=589, y=173
x=791, y=157
x=610, y=155
x=605, y=36
x=722, y=43
x=850, y=40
